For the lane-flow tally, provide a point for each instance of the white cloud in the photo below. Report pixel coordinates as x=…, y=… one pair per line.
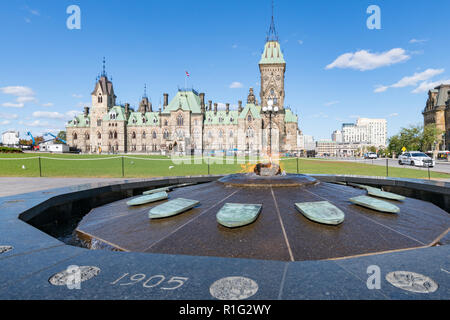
x=364, y=60
x=13, y=105
x=5, y=122
x=417, y=77
x=48, y=115
x=412, y=80
x=37, y=123
x=27, y=20
x=331, y=103
x=25, y=99
x=18, y=91
x=236, y=85
x=354, y=116
x=78, y=96
x=319, y=115
x=426, y=85
x=8, y=116
x=49, y=104
x=72, y=113
x=395, y=114
x=381, y=89
x=417, y=41
x=300, y=41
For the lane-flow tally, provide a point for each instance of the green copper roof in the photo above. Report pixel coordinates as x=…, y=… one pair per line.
x=221, y=117
x=272, y=53
x=187, y=100
x=255, y=111
x=115, y=113
x=136, y=119
x=290, y=116
x=79, y=121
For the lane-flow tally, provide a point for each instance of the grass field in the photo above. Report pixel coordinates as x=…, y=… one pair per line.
x=52, y=165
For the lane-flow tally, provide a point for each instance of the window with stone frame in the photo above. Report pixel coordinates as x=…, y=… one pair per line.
x=99, y=135
x=180, y=120
x=166, y=134
x=75, y=136
x=133, y=135
x=154, y=134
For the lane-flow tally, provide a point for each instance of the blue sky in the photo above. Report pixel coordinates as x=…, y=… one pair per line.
x=337, y=69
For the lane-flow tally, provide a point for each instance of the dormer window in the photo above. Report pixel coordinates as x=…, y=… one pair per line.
x=134, y=120
x=155, y=120
x=249, y=118
x=231, y=119
x=220, y=119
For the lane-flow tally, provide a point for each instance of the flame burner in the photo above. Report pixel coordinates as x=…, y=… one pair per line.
x=267, y=169
x=267, y=175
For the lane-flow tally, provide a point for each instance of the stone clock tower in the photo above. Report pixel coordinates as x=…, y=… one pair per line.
x=272, y=68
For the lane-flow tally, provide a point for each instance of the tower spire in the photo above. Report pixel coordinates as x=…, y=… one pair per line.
x=145, y=91
x=104, y=68
x=272, y=34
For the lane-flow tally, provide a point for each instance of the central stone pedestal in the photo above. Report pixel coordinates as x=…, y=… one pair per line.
x=267, y=169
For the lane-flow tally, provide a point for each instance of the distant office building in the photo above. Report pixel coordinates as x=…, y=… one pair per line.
x=306, y=142
x=10, y=138
x=366, y=131
x=326, y=148
x=336, y=136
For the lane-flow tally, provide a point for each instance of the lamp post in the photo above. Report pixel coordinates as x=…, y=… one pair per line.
x=270, y=110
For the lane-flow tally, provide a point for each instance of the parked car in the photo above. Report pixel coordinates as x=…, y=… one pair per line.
x=371, y=155
x=416, y=158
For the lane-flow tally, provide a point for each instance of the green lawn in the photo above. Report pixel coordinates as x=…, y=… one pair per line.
x=152, y=166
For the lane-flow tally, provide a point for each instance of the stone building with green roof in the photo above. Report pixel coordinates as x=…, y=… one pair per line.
x=189, y=125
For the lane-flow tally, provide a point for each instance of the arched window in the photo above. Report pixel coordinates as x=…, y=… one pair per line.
x=180, y=120
x=220, y=134
x=154, y=134
x=166, y=122
x=155, y=120
x=100, y=99
x=133, y=135
x=86, y=136
x=75, y=136
x=180, y=134
x=231, y=119
x=249, y=118
x=143, y=135
x=110, y=135
x=99, y=135
x=231, y=133
x=166, y=134
x=115, y=134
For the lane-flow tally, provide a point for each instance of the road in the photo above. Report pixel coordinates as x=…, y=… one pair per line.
x=441, y=166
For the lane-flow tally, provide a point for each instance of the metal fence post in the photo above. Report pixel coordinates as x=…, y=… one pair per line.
x=123, y=168
x=297, y=164
x=40, y=168
x=208, y=166
x=387, y=167
x=429, y=177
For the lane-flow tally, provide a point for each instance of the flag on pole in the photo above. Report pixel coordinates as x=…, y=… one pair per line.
x=187, y=74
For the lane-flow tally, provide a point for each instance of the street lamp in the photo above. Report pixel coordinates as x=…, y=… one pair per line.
x=270, y=110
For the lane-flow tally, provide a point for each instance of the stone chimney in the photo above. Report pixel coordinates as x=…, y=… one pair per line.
x=209, y=105
x=150, y=107
x=86, y=111
x=127, y=109
x=166, y=100
x=215, y=108
x=240, y=106
x=202, y=101
x=228, y=108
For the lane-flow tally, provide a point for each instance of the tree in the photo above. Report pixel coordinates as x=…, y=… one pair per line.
x=431, y=134
x=415, y=137
x=61, y=135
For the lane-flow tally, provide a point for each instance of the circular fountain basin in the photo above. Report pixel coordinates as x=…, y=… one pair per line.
x=280, y=232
